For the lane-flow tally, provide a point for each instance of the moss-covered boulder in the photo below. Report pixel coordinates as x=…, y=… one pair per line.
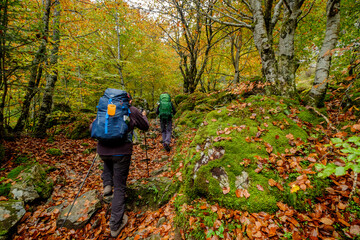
x=233, y=158
x=31, y=184
x=79, y=129
x=10, y=214
x=150, y=193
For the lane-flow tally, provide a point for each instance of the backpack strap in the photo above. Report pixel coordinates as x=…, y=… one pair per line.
x=107, y=118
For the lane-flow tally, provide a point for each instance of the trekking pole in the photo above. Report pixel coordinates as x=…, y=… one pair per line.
x=147, y=159
x=78, y=192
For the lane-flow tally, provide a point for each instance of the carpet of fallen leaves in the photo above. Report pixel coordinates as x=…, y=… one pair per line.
x=329, y=218
x=70, y=170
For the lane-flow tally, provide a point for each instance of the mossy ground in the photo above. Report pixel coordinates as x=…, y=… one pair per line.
x=244, y=128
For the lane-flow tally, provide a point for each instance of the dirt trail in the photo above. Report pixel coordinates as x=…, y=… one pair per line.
x=71, y=169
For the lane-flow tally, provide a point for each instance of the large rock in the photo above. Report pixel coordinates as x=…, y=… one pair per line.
x=150, y=193
x=84, y=208
x=33, y=184
x=10, y=214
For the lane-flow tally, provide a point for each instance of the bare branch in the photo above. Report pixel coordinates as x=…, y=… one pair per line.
x=276, y=14
x=287, y=5
x=312, y=4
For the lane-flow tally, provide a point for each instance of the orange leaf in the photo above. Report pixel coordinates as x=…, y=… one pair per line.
x=238, y=193
x=272, y=182
x=203, y=207
x=282, y=206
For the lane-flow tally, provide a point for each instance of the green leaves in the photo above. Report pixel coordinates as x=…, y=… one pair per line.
x=351, y=161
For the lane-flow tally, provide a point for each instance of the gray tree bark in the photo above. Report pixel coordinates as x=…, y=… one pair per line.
x=318, y=90
x=51, y=77
x=35, y=71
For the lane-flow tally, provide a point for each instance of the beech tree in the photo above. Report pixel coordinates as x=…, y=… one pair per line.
x=36, y=70
x=318, y=91
x=192, y=35
x=51, y=77
x=262, y=18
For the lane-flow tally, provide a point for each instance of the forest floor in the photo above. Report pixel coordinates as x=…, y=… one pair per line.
x=71, y=169
x=330, y=218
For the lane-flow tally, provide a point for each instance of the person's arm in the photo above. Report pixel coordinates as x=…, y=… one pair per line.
x=140, y=120
x=157, y=110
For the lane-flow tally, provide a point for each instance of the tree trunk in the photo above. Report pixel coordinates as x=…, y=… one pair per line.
x=51, y=78
x=318, y=90
x=119, y=67
x=264, y=44
x=286, y=60
x=35, y=71
x=3, y=78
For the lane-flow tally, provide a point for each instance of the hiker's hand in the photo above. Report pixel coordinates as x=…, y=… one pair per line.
x=144, y=113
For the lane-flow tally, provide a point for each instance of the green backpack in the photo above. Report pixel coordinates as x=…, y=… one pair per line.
x=165, y=108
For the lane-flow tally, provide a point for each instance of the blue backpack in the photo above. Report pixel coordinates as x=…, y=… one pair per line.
x=112, y=125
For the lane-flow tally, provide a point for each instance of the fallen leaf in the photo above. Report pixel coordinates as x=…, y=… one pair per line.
x=226, y=190
x=326, y=221
x=355, y=230
x=246, y=194
x=260, y=187
x=272, y=182
x=282, y=206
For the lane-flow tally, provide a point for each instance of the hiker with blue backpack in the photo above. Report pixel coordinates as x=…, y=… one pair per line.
x=113, y=128
x=166, y=110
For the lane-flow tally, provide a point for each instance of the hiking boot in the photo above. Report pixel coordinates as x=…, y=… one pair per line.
x=116, y=233
x=167, y=147
x=107, y=190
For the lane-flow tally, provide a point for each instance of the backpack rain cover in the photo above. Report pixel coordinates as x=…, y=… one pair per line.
x=165, y=108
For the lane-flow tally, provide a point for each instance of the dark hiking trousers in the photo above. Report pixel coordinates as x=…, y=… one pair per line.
x=166, y=131
x=116, y=171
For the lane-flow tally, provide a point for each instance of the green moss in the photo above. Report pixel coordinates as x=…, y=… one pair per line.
x=80, y=128
x=155, y=193
x=16, y=171
x=54, y=151
x=180, y=98
x=4, y=189
x=242, y=131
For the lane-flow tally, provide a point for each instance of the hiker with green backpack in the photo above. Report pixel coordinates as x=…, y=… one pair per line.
x=166, y=110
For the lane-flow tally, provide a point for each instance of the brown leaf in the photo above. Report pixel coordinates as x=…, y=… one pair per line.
x=355, y=230
x=355, y=128
x=290, y=136
x=282, y=206
x=342, y=206
x=226, y=190
x=246, y=194
x=326, y=221
x=213, y=120
x=314, y=234
x=260, y=187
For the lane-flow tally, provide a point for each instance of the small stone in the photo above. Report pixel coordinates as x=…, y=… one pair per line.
x=161, y=221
